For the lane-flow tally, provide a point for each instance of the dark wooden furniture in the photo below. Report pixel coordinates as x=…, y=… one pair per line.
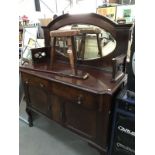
x=82, y=105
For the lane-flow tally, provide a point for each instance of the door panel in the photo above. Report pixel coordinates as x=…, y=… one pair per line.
x=81, y=120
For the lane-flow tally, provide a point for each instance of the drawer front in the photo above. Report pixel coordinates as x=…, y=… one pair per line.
x=76, y=96
x=36, y=81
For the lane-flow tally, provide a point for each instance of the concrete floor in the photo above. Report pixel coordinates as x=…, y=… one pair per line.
x=48, y=138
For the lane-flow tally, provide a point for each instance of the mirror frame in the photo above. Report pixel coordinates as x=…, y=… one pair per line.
x=120, y=32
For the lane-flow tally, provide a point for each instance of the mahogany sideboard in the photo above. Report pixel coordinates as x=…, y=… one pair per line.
x=83, y=105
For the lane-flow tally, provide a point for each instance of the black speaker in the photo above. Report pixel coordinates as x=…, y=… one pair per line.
x=37, y=5
x=131, y=66
x=124, y=140
x=123, y=127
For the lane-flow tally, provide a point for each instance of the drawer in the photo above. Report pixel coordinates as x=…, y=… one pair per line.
x=76, y=96
x=33, y=80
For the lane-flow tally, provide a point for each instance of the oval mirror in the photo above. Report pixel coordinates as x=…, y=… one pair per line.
x=91, y=43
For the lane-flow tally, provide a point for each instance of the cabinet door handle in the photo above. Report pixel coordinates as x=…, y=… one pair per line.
x=49, y=107
x=80, y=99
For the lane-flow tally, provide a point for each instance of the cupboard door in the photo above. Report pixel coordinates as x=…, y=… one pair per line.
x=55, y=111
x=81, y=120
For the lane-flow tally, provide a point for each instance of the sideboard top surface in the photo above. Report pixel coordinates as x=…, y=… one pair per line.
x=98, y=82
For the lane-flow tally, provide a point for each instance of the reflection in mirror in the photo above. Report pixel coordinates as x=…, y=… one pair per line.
x=91, y=42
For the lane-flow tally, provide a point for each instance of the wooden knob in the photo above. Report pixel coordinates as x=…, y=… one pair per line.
x=49, y=107
x=41, y=85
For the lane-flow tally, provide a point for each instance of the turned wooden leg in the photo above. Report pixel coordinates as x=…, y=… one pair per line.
x=30, y=120
x=53, y=53
x=72, y=54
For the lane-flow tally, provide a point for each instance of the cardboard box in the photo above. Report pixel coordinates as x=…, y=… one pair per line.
x=109, y=12
x=45, y=21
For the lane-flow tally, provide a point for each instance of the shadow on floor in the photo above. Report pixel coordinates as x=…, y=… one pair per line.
x=48, y=138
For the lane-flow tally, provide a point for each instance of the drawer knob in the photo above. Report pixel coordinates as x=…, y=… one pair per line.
x=80, y=99
x=26, y=82
x=49, y=107
x=41, y=85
